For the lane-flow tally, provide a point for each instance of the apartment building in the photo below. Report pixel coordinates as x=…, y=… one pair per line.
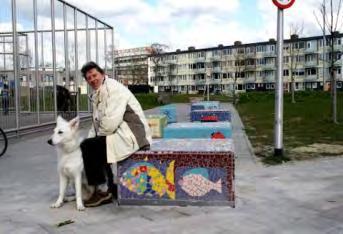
x=131, y=65
x=247, y=67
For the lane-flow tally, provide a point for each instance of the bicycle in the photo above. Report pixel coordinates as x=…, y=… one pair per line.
x=3, y=142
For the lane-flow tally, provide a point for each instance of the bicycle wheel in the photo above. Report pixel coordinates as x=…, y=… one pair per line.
x=3, y=142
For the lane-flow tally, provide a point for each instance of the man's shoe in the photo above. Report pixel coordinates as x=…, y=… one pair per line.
x=98, y=198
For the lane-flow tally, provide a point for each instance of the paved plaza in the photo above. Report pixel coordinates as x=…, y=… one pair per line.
x=297, y=197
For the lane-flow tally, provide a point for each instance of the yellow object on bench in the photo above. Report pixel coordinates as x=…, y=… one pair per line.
x=157, y=124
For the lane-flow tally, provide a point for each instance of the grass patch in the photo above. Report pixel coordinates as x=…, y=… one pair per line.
x=305, y=122
x=185, y=98
x=148, y=101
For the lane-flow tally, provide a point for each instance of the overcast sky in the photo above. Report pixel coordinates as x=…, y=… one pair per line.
x=199, y=23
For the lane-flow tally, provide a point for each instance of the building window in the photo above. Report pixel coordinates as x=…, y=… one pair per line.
x=308, y=45
x=321, y=43
x=259, y=48
x=299, y=72
x=250, y=86
x=286, y=59
x=309, y=58
x=285, y=72
x=216, y=76
x=270, y=86
x=311, y=71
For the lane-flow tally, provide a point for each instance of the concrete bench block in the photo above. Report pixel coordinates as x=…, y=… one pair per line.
x=170, y=112
x=157, y=124
x=197, y=130
x=205, y=105
x=171, y=174
x=220, y=115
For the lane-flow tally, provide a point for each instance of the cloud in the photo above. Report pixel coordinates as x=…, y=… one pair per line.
x=182, y=23
x=158, y=23
x=302, y=12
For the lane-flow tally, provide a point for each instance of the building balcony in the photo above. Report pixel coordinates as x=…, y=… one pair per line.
x=250, y=80
x=200, y=60
x=216, y=70
x=198, y=82
x=311, y=78
x=269, y=67
x=338, y=63
x=162, y=83
x=172, y=61
x=250, y=55
x=259, y=68
x=311, y=50
x=338, y=47
x=216, y=58
x=200, y=71
x=311, y=64
x=269, y=54
x=250, y=68
x=215, y=81
x=268, y=79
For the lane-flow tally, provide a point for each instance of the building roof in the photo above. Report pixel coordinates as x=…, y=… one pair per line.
x=221, y=47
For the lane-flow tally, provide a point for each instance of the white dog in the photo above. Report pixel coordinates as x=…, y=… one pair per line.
x=70, y=163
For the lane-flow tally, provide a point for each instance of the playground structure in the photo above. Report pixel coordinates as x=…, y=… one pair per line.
x=43, y=45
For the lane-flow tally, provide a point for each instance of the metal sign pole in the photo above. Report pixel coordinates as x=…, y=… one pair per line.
x=278, y=124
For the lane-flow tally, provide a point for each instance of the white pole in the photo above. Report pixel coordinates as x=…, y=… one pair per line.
x=278, y=127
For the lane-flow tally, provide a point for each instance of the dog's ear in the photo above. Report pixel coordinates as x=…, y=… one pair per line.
x=60, y=119
x=74, y=123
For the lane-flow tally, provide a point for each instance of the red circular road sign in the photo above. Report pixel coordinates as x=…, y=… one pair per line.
x=283, y=4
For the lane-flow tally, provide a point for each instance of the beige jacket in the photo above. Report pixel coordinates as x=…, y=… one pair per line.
x=118, y=115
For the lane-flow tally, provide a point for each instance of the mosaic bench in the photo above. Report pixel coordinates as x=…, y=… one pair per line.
x=170, y=112
x=201, y=115
x=179, y=172
x=205, y=105
x=157, y=124
x=197, y=130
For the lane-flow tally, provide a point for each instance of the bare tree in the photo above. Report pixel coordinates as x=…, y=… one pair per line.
x=332, y=21
x=157, y=50
x=240, y=68
x=295, y=30
x=171, y=68
x=137, y=71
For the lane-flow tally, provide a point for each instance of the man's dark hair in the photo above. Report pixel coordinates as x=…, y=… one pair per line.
x=89, y=66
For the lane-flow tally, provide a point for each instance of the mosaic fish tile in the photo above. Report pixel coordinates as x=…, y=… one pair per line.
x=179, y=177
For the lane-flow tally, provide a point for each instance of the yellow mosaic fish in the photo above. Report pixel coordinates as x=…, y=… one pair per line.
x=144, y=178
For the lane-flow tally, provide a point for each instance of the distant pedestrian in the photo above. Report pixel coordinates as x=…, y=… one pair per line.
x=5, y=99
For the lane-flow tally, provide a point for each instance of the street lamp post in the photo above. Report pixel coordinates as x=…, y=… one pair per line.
x=278, y=123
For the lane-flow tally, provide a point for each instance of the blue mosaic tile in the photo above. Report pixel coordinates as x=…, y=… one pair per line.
x=197, y=130
x=205, y=105
x=170, y=112
x=221, y=115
